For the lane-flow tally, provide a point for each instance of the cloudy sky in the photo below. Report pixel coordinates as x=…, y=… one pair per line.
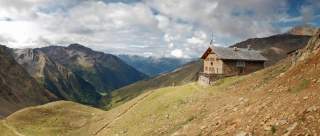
x=171, y=28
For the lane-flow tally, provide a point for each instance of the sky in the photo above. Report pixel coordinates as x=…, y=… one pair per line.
x=161, y=28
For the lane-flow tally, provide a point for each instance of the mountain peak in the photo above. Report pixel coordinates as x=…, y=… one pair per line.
x=77, y=46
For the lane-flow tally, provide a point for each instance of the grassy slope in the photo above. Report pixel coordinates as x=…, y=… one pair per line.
x=186, y=74
x=167, y=109
x=57, y=118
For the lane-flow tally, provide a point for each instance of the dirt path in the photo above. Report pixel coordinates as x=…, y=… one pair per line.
x=12, y=129
x=124, y=112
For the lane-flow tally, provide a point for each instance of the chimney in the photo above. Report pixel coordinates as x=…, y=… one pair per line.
x=235, y=49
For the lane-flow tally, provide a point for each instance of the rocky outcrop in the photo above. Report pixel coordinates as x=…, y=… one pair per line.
x=312, y=47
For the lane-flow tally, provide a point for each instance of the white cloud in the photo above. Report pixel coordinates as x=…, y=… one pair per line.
x=141, y=27
x=177, y=53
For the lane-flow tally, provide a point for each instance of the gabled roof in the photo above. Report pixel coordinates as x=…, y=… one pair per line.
x=234, y=54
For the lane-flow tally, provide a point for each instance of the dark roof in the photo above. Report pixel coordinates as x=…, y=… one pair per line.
x=235, y=54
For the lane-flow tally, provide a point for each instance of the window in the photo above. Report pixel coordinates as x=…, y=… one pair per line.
x=211, y=63
x=240, y=64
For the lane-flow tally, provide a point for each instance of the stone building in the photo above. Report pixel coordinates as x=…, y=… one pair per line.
x=219, y=62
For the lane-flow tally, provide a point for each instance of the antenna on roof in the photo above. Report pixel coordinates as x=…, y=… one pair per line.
x=211, y=41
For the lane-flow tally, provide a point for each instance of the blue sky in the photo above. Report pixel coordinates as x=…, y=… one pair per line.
x=171, y=28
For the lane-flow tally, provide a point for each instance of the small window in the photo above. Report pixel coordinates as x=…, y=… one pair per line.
x=240, y=64
x=211, y=63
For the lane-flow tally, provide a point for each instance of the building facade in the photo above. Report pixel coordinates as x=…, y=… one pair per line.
x=220, y=62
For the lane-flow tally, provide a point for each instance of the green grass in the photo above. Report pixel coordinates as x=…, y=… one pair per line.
x=162, y=103
x=225, y=82
x=303, y=84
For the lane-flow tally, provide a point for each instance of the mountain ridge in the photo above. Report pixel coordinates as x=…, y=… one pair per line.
x=104, y=71
x=56, y=78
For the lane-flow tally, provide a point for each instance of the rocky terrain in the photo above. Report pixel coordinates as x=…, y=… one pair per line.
x=59, y=80
x=105, y=72
x=17, y=88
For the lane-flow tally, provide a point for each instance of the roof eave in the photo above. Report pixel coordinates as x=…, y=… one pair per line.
x=264, y=60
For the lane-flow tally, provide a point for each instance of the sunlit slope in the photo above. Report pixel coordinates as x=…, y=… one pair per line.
x=57, y=118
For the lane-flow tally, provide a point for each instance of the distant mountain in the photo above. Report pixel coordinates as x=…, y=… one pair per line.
x=275, y=47
x=153, y=66
x=303, y=30
x=56, y=78
x=17, y=88
x=185, y=74
x=105, y=72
